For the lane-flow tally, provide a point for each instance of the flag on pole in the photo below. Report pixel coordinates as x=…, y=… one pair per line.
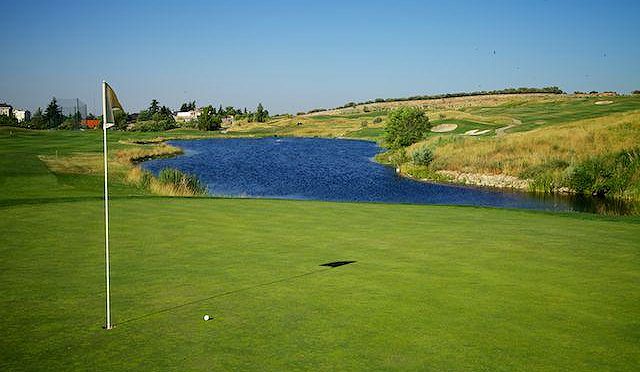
x=111, y=103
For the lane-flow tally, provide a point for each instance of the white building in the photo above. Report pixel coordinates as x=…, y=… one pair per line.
x=22, y=115
x=187, y=115
x=6, y=109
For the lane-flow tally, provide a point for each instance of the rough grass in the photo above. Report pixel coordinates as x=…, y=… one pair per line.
x=514, y=153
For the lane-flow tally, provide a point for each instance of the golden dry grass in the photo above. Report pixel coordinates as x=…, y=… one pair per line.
x=453, y=103
x=78, y=163
x=515, y=152
x=138, y=154
x=145, y=180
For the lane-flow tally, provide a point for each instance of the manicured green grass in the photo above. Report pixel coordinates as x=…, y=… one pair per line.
x=434, y=288
x=463, y=125
x=536, y=113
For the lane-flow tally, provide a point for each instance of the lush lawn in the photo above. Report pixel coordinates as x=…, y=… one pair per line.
x=434, y=288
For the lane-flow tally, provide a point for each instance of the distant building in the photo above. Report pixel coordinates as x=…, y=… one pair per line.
x=228, y=119
x=22, y=115
x=6, y=109
x=91, y=123
x=187, y=115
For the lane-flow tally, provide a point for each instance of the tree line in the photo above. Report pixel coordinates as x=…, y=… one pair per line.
x=154, y=118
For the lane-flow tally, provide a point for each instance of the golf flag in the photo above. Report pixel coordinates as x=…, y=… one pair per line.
x=110, y=103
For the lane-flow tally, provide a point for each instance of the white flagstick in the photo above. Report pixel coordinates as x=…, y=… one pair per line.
x=106, y=197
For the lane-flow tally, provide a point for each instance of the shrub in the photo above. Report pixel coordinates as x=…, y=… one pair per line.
x=154, y=126
x=364, y=123
x=8, y=121
x=611, y=174
x=405, y=126
x=422, y=156
x=377, y=120
x=181, y=182
x=398, y=157
x=636, y=92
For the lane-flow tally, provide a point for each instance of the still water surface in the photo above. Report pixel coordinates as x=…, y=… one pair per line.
x=337, y=170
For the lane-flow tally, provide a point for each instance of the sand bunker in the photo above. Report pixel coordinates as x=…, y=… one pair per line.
x=604, y=102
x=476, y=132
x=444, y=128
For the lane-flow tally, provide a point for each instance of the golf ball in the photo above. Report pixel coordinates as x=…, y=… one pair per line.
x=206, y=317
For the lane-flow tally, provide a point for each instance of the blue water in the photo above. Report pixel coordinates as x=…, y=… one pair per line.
x=331, y=169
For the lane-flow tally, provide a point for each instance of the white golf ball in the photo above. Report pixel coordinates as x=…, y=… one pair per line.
x=206, y=317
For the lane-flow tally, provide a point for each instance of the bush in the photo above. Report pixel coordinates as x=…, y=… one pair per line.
x=611, y=174
x=377, y=120
x=636, y=92
x=181, y=181
x=364, y=124
x=9, y=121
x=405, y=126
x=422, y=156
x=398, y=157
x=154, y=126
x=69, y=124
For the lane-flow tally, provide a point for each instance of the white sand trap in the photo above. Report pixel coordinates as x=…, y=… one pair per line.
x=444, y=128
x=604, y=102
x=476, y=132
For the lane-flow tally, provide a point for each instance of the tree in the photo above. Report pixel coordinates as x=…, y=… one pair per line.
x=261, y=114
x=120, y=118
x=208, y=120
x=405, y=126
x=153, y=108
x=37, y=120
x=166, y=114
x=144, y=115
x=189, y=106
x=53, y=115
x=636, y=92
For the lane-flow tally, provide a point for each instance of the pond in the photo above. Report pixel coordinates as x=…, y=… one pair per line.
x=338, y=170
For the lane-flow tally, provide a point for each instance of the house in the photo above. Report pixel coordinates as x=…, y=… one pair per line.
x=6, y=109
x=22, y=115
x=185, y=116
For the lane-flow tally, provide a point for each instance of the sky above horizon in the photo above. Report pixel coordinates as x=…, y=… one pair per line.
x=295, y=56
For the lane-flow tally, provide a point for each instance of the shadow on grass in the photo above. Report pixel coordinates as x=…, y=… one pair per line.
x=330, y=266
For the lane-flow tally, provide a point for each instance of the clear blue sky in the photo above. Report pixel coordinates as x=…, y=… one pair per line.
x=298, y=55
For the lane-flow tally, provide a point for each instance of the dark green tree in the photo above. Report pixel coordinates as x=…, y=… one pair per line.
x=208, y=120
x=261, y=114
x=53, y=114
x=153, y=108
x=188, y=106
x=405, y=126
x=166, y=114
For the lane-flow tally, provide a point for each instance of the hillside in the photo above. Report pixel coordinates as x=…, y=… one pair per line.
x=526, y=141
